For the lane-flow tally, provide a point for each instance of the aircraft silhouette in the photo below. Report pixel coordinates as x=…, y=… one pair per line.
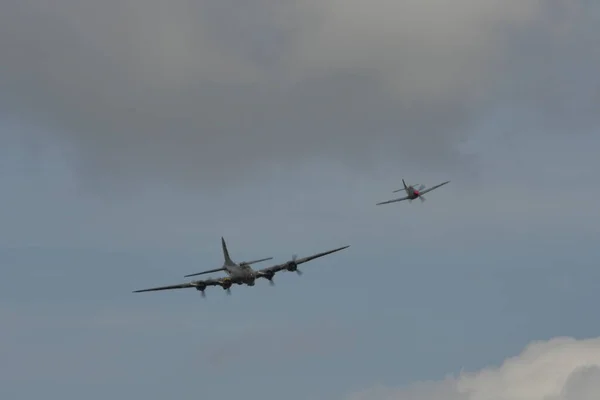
x=241, y=273
x=412, y=193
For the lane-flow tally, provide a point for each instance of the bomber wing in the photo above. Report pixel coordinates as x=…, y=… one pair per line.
x=200, y=285
x=433, y=187
x=392, y=201
x=292, y=265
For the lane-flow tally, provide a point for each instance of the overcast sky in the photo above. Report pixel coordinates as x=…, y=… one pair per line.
x=136, y=133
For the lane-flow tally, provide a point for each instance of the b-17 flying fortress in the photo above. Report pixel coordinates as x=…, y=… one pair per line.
x=243, y=274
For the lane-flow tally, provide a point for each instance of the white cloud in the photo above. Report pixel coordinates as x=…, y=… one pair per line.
x=558, y=369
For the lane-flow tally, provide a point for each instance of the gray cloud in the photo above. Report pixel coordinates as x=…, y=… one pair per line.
x=559, y=369
x=214, y=90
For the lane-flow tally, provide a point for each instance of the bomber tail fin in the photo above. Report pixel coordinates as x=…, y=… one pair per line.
x=227, y=262
x=227, y=259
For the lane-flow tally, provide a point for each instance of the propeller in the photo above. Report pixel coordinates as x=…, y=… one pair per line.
x=226, y=285
x=268, y=275
x=294, y=261
x=201, y=289
x=292, y=266
x=421, y=187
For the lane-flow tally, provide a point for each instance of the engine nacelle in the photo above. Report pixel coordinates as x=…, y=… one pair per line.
x=268, y=275
x=200, y=287
x=226, y=283
x=292, y=266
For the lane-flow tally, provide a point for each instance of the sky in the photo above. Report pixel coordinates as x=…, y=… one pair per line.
x=136, y=133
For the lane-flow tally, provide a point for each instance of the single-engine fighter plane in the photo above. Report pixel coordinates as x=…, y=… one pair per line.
x=412, y=193
x=242, y=273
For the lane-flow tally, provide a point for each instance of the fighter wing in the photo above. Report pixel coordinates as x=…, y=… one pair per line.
x=270, y=271
x=392, y=201
x=433, y=187
x=195, y=284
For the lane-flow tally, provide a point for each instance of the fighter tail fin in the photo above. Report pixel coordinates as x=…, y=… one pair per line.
x=404, y=189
